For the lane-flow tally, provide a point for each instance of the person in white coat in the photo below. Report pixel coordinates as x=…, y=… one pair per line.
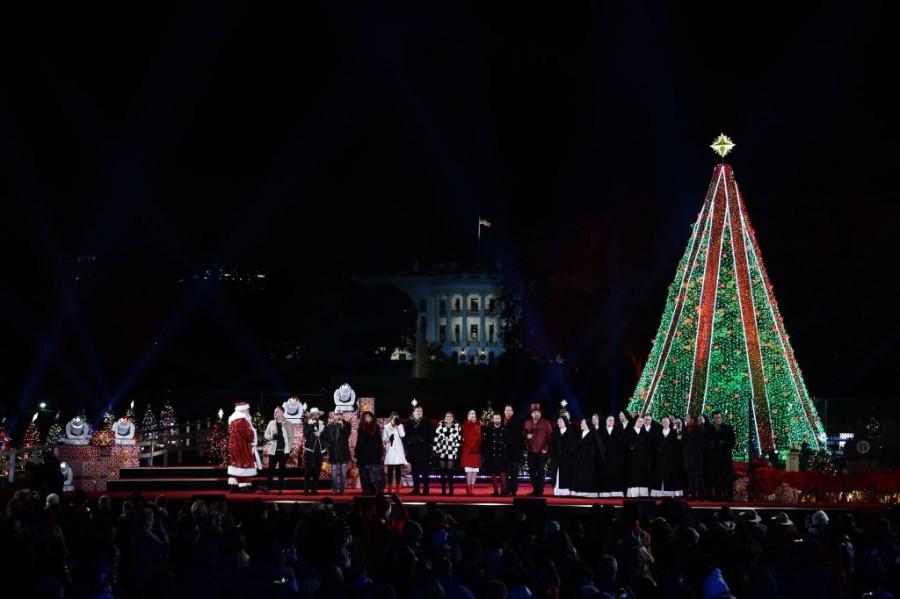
x=395, y=456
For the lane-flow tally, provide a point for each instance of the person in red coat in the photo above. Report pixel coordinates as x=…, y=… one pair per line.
x=471, y=450
x=243, y=460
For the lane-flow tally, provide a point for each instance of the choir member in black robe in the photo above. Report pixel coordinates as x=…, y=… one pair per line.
x=651, y=428
x=669, y=462
x=612, y=472
x=637, y=460
x=625, y=421
x=721, y=444
x=562, y=456
x=588, y=461
x=694, y=450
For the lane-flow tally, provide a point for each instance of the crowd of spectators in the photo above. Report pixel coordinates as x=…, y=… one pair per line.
x=151, y=548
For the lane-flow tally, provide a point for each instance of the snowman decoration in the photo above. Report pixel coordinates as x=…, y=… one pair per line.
x=124, y=429
x=344, y=398
x=293, y=410
x=77, y=432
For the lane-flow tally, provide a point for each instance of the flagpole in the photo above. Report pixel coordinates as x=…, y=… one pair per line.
x=478, y=244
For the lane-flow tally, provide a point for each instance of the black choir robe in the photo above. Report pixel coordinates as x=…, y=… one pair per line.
x=612, y=471
x=668, y=467
x=588, y=461
x=637, y=458
x=651, y=433
x=562, y=456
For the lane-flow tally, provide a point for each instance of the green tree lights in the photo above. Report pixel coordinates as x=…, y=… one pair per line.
x=721, y=343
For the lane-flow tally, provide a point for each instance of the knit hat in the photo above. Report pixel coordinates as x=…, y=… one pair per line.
x=714, y=585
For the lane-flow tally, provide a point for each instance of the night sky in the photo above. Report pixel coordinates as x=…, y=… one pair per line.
x=316, y=141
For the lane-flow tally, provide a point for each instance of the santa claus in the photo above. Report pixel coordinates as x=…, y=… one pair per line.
x=243, y=459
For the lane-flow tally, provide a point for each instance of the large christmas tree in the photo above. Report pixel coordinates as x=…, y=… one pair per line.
x=721, y=344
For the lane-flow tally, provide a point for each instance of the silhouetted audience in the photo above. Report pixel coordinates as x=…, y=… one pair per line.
x=75, y=547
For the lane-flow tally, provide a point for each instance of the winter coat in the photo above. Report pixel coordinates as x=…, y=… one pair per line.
x=515, y=450
x=540, y=432
x=287, y=431
x=447, y=441
x=393, y=439
x=338, y=439
x=368, y=445
x=495, y=449
x=418, y=441
x=311, y=443
x=243, y=460
x=721, y=442
x=471, y=445
x=694, y=449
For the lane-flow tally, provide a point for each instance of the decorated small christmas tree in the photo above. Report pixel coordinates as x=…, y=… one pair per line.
x=148, y=422
x=167, y=419
x=104, y=436
x=487, y=416
x=129, y=413
x=5, y=439
x=217, y=444
x=55, y=434
x=259, y=423
x=32, y=435
x=721, y=344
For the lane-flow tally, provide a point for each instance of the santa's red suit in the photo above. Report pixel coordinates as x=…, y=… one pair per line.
x=243, y=459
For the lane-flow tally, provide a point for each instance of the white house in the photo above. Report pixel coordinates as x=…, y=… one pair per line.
x=461, y=310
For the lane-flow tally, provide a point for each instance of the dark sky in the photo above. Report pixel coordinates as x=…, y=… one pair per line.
x=325, y=139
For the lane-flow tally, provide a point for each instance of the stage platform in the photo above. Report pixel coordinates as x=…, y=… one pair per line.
x=180, y=483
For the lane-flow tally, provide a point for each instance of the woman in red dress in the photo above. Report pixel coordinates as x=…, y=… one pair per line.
x=471, y=450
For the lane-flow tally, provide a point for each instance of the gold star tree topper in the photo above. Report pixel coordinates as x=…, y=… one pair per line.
x=722, y=145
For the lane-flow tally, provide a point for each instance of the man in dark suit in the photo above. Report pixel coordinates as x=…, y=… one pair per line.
x=417, y=442
x=514, y=457
x=721, y=444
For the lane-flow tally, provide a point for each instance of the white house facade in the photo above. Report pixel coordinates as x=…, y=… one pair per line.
x=461, y=313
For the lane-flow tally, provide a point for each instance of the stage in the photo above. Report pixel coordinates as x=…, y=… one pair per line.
x=179, y=483
x=481, y=498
